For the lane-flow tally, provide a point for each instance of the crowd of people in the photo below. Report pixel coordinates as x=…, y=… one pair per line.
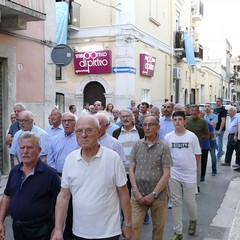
x=104, y=173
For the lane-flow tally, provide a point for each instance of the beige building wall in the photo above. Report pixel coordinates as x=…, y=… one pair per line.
x=129, y=28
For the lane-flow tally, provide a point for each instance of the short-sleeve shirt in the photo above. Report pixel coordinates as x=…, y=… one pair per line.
x=198, y=126
x=221, y=113
x=150, y=161
x=34, y=196
x=45, y=142
x=94, y=186
x=183, y=149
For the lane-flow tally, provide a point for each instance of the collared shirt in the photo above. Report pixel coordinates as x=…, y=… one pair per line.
x=33, y=196
x=14, y=128
x=52, y=131
x=93, y=185
x=111, y=128
x=150, y=161
x=44, y=137
x=112, y=143
x=166, y=126
x=60, y=146
x=232, y=124
x=128, y=139
x=209, y=118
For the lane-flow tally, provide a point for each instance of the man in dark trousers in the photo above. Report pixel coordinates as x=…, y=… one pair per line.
x=30, y=194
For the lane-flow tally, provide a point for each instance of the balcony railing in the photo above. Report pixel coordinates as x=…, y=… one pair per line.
x=36, y=5
x=74, y=17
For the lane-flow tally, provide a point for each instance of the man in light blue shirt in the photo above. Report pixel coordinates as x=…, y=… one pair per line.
x=56, y=127
x=231, y=143
x=62, y=144
x=26, y=122
x=107, y=140
x=166, y=122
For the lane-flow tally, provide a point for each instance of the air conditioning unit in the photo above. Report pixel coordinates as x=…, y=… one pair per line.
x=176, y=73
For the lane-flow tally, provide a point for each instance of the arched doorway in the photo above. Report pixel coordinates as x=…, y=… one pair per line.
x=94, y=91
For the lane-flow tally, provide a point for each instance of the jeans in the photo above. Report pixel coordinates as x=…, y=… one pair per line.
x=158, y=214
x=213, y=155
x=219, y=144
x=180, y=191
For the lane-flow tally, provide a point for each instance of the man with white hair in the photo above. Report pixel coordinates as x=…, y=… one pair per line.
x=231, y=144
x=105, y=139
x=26, y=122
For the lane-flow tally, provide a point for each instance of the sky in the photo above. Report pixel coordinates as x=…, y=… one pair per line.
x=221, y=21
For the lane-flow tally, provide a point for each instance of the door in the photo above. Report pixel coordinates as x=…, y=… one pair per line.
x=94, y=91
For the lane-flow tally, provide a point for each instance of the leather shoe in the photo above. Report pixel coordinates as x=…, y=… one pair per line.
x=225, y=164
x=237, y=169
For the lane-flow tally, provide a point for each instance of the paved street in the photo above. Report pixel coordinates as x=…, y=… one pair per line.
x=217, y=203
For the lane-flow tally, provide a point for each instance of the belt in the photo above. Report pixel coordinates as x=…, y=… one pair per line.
x=34, y=221
x=231, y=134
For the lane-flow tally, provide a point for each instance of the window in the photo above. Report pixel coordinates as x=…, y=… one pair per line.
x=60, y=102
x=146, y=95
x=154, y=12
x=58, y=73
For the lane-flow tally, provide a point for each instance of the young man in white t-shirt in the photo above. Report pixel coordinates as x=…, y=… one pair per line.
x=186, y=154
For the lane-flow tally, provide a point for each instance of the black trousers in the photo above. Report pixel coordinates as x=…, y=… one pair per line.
x=111, y=238
x=231, y=146
x=204, y=158
x=67, y=233
x=33, y=230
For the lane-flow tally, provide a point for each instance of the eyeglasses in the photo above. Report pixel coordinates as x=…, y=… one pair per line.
x=68, y=120
x=23, y=120
x=149, y=125
x=87, y=131
x=126, y=116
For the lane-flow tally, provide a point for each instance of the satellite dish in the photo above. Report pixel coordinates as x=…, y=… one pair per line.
x=62, y=55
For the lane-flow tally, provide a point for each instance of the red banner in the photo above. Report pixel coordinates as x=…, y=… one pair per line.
x=93, y=62
x=147, y=65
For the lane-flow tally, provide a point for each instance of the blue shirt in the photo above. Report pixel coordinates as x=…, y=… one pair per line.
x=45, y=142
x=14, y=128
x=111, y=128
x=209, y=118
x=33, y=196
x=112, y=143
x=166, y=126
x=60, y=146
x=206, y=142
x=232, y=124
x=52, y=131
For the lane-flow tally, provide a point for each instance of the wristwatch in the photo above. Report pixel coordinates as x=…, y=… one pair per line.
x=127, y=224
x=154, y=194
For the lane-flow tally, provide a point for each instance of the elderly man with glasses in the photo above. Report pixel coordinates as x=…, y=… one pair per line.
x=149, y=174
x=26, y=122
x=96, y=179
x=61, y=145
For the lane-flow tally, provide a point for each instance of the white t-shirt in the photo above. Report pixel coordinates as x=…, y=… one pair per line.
x=96, y=206
x=183, y=149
